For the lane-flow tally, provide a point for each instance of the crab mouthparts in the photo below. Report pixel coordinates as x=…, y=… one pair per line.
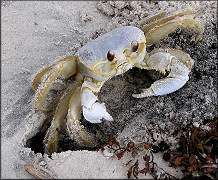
x=122, y=68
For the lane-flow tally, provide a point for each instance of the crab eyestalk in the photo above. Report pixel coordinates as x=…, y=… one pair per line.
x=134, y=48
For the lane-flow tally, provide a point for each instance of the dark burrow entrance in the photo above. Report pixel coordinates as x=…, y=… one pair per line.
x=65, y=142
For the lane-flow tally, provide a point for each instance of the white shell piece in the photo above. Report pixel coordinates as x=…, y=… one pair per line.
x=96, y=113
x=196, y=124
x=88, y=98
x=107, y=152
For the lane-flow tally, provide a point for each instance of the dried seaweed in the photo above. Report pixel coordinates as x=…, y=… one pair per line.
x=196, y=155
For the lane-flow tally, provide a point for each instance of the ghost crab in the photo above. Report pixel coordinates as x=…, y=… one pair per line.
x=107, y=56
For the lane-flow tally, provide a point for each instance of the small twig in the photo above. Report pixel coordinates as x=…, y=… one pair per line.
x=153, y=163
x=115, y=150
x=135, y=169
x=152, y=157
x=39, y=172
x=164, y=171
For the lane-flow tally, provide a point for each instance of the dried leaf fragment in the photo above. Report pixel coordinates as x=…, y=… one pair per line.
x=120, y=155
x=144, y=171
x=129, y=173
x=178, y=160
x=192, y=159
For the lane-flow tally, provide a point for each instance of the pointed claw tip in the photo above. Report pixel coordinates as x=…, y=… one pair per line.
x=135, y=95
x=110, y=119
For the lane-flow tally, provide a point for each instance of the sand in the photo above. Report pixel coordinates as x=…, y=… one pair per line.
x=34, y=34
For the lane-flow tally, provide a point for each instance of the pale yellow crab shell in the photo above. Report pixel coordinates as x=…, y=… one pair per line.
x=92, y=58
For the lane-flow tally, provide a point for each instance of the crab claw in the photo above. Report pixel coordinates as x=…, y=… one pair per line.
x=177, y=65
x=96, y=113
x=93, y=111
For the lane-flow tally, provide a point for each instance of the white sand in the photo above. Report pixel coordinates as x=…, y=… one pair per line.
x=33, y=35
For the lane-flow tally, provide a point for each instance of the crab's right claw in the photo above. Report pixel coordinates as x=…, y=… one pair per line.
x=93, y=111
x=65, y=67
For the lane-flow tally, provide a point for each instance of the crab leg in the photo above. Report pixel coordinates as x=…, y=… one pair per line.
x=162, y=18
x=163, y=61
x=51, y=138
x=45, y=70
x=65, y=67
x=75, y=129
x=152, y=17
x=160, y=28
x=93, y=111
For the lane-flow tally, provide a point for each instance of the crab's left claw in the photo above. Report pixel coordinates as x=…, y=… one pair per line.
x=164, y=61
x=93, y=111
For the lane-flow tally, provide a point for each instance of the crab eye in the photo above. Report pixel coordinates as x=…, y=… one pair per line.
x=135, y=46
x=110, y=55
